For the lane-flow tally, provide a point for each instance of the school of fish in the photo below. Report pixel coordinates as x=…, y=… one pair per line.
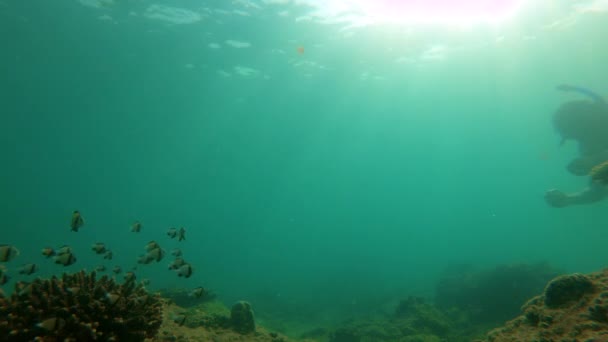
x=64, y=256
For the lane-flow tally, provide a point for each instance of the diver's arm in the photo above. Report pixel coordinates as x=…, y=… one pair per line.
x=594, y=193
x=595, y=97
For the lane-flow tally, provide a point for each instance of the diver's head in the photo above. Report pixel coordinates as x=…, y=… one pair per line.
x=581, y=120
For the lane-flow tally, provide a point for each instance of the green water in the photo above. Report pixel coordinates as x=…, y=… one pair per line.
x=335, y=179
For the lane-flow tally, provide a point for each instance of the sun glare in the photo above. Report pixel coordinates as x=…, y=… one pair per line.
x=458, y=12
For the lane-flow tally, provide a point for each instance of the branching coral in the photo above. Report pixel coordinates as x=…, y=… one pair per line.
x=79, y=307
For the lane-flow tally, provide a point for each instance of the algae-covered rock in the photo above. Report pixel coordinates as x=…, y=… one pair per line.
x=494, y=295
x=572, y=308
x=567, y=288
x=242, y=318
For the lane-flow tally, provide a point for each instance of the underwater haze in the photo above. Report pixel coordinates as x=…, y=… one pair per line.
x=322, y=154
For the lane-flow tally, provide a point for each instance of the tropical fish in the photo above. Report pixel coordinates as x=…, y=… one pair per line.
x=156, y=254
x=117, y=269
x=99, y=248
x=151, y=245
x=136, y=227
x=28, y=269
x=8, y=253
x=77, y=221
x=181, y=235
x=48, y=252
x=65, y=259
x=100, y=268
x=172, y=232
x=197, y=292
x=185, y=271
x=108, y=255
x=176, y=252
x=65, y=249
x=145, y=282
x=52, y=324
x=177, y=263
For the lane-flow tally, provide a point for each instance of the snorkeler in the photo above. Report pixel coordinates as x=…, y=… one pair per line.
x=586, y=122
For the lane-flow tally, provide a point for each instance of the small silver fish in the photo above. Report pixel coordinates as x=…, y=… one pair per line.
x=185, y=271
x=8, y=253
x=197, y=292
x=66, y=259
x=52, y=324
x=179, y=319
x=28, y=269
x=112, y=297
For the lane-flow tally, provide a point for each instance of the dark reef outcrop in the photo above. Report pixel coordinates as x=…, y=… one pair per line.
x=242, y=318
x=413, y=320
x=572, y=308
x=495, y=295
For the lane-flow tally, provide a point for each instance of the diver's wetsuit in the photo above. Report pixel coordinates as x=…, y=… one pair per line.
x=595, y=192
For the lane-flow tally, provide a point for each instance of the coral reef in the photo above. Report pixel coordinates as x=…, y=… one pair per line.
x=79, y=307
x=492, y=296
x=571, y=308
